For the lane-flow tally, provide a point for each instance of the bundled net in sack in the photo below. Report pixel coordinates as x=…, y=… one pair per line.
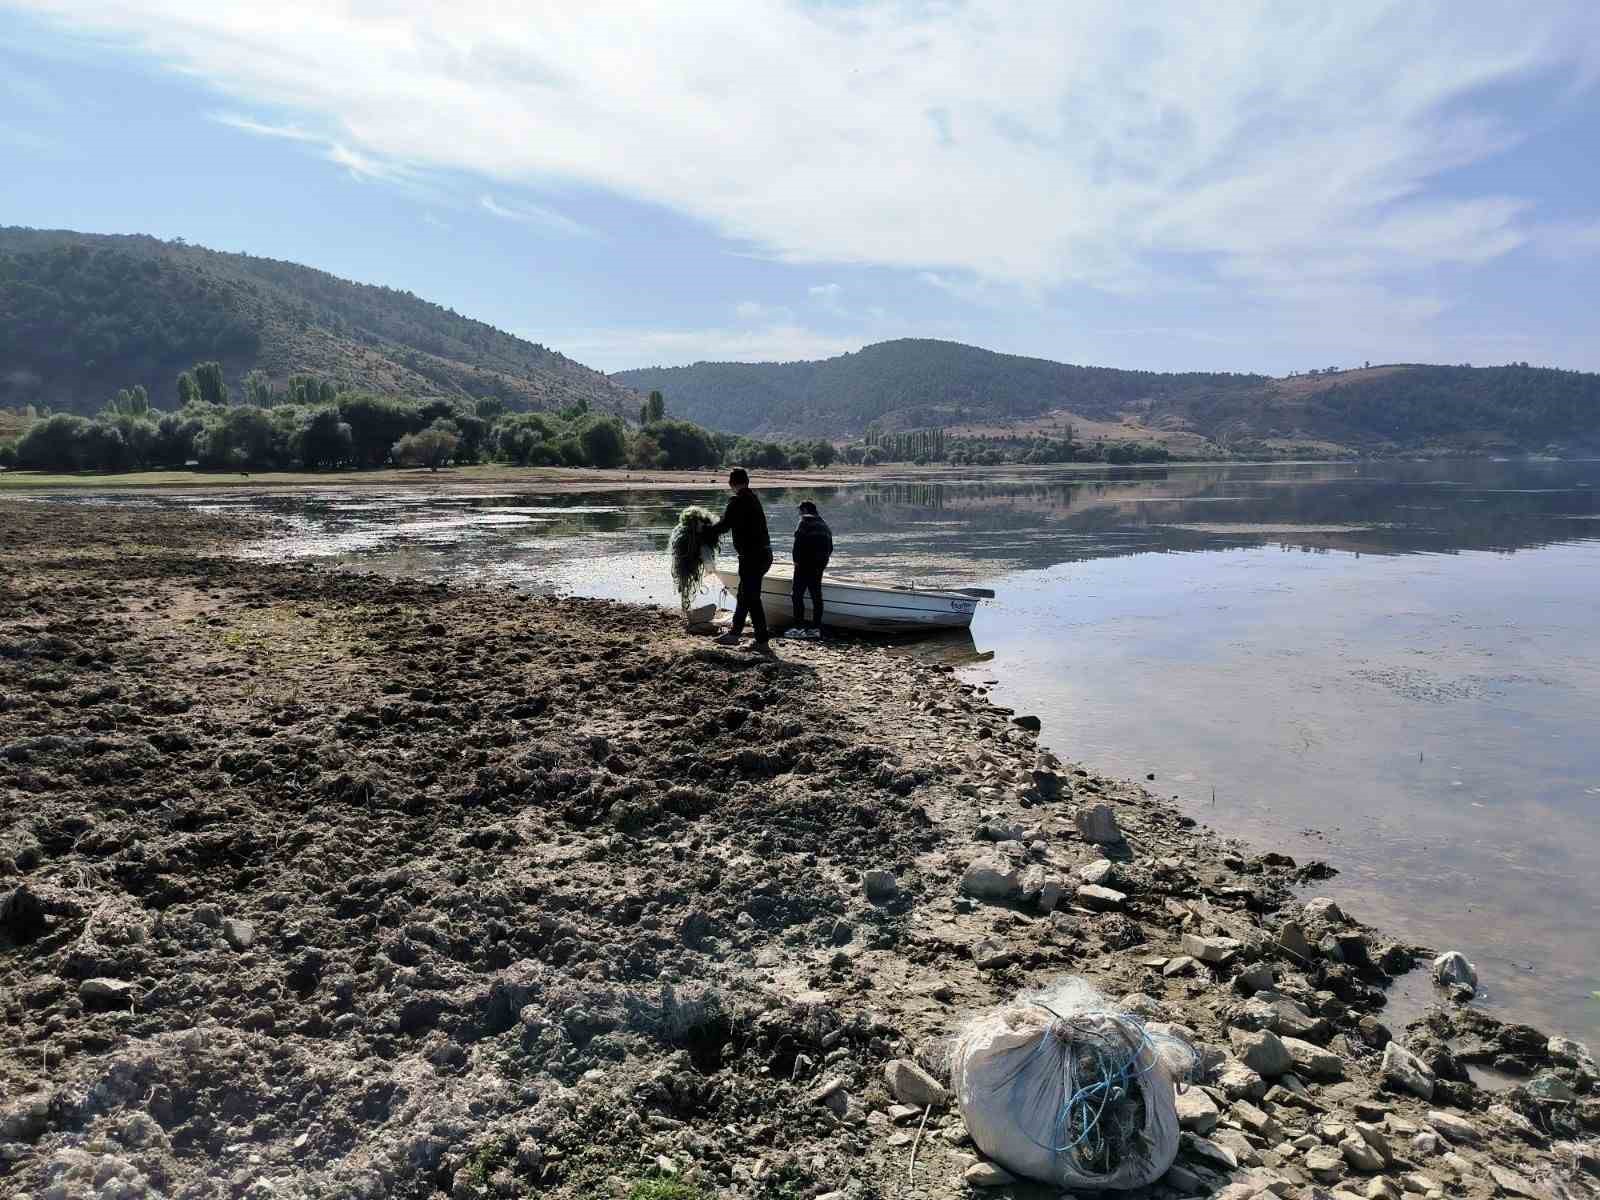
x=691, y=557
x=1063, y=1087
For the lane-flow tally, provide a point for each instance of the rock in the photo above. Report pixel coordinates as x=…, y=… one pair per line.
x=1314, y=1060
x=1453, y=970
x=1098, y=824
x=1262, y=1051
x=239, y=934
x=987, y=1175
x=910, y=1084
x=1565, y=1050
x=1404, y=1070
x=1324, y=1164
x=1101, y=899
x=880, y=885
x=1512, y=1184
x=1254, y=979
x=1292, y=937
x=1197, y=1111
x=1427, y=1144
x=1514, y=1121
x=1547, y=1085
x=1239, y=1082
x=1415, y=1181
x=1196, y=1146
x=1029, y=723
x=1256, y=1121
x=745, y=921
x=1032, y=883
x=1374, y=1136
x=1215, y=950
x=21, y=914
x=1184, y=1181
x=110, y=991
x=1359, y=1155
x=990, y=877
x=900, y=1114
x=1452, y=1128
x=1322, y=911
x=1383, y=1189
x=1102, y=872
x=1050, y=895
x=990, y=953
x=1184, y=964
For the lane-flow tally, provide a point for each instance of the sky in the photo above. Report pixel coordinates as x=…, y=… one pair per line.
x=1170, y=186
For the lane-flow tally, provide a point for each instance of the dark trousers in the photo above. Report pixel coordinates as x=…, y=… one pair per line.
x=807, y=579
x=748, y=600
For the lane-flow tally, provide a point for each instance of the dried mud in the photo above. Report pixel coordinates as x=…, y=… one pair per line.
x=320, y=884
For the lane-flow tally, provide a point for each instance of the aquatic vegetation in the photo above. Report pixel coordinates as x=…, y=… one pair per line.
x=691, y=556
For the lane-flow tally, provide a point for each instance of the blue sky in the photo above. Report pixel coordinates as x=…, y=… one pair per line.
x=1222, y=186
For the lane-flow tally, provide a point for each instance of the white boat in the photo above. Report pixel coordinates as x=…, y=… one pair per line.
x=854, y=604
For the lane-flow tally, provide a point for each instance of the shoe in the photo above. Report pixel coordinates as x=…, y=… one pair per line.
x=760, y=647
x=728, y=639
x=815, y=633
x=796, y=632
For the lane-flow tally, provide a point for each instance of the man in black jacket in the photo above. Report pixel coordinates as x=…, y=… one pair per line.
x=813, y=546
x=747, y=521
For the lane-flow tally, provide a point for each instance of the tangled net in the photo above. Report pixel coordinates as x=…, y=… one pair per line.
x=691, y=557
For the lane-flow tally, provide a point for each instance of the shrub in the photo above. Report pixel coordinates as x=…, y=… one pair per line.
x=431, y=448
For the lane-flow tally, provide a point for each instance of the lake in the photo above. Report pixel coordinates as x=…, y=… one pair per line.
x=1392, y=667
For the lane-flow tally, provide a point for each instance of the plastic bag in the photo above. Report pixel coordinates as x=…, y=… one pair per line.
x=1063, y=1087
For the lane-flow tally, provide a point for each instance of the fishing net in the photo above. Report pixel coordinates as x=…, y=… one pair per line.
x=691, y=557
x=1062, y=1087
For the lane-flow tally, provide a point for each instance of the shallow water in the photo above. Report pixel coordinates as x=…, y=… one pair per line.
x=1392, y=667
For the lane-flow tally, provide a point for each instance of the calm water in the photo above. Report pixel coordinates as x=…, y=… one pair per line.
x=1394, y=668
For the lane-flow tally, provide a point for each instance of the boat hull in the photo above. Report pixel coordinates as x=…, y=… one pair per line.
x=847, y=604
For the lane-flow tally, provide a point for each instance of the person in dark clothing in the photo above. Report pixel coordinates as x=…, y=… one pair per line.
x=813, y=546
x=747, y=521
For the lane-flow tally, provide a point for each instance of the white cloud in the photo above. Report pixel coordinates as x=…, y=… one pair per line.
x=825, y=291
x=1127, y=147
x=754, y=310
x=547, y=219
x=359, y=165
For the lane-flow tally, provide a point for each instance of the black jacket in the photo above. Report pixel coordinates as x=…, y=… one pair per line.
x=747, y=521
x=813, y=544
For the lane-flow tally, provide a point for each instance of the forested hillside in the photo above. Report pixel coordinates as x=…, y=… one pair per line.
x=915, y=384
x=905, y=384
x=83, y=315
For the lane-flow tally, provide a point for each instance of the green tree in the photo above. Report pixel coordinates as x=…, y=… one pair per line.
x=209, y=382
x=605, y=441
x=823, y=452
x=656, y=405
x=684, y=446
x=491, y=408
x=188, y=393
x=432, y=447
x=174, y=444
x=57, y=443
x=258, y=389
x=323, y=440
x=376, y=424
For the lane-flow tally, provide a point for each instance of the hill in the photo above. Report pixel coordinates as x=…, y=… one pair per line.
x=82, y=315
x=906, y=384
x=917, y=383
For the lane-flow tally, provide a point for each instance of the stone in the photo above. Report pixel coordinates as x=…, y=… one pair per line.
x=1197, y=1111
x=1184, y=964
x=1322, y=911
x=1426, y=1144
x=111, y=991
x=1239, y=1082
x=239, y=934
x=1514, y=1121
x=1292, y=937
x=1452, y=1128
x=1359, y=1156
x=1098, y=824
x=22, y=914
x=990, y=953
x=1453, y=970
x=987, y=1175
x=1254, y=979
x=1407, y=1072
x=1102, y=871
x=1050, y=895
x=880, y=885
x=1314, y=1061
x=1374, y=1136
x=1262, y=1051
x=910, y=1084
x=1512, y=1184
x=1565, y=1050
x=1196, y=1146
x=1383, y=1189
x=1184, y=1181
x=990, y=877
x=1416, y=1181
x=1032, y=883
x=1547, y=1085
x=1256, y=1120
x=1324, y=1164
x=1217, y=951
x=900, y=1114
x=1101, y=899
x=1030, y=724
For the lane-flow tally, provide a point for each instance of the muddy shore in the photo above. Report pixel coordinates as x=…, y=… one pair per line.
x=321, y=884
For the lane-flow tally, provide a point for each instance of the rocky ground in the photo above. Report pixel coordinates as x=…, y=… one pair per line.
x=316, y=884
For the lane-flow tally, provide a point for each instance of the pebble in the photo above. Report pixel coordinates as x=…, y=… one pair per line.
x=1197, y=1111
x=986, y=1175
x=1406, y=1071
x=1325, y=1165
x=990, y=953
x=116, y=991
x=1359, y=1155
x=1314, y=1060
x=880, y=885
x=1101, y=899
x=990, y=877
x=910, y=1084
x=1102, y=871
x=1215, y=950
x=1098, y=824
x=1263, y=1052
x=1451, y=1127
x=239, y=934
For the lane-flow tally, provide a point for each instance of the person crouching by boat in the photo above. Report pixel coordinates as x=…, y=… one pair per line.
x=747, y=521
x=813, y=546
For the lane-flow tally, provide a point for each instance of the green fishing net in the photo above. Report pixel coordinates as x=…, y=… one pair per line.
x=691, y=557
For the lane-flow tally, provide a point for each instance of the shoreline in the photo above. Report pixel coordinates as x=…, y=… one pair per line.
x=368, y=879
